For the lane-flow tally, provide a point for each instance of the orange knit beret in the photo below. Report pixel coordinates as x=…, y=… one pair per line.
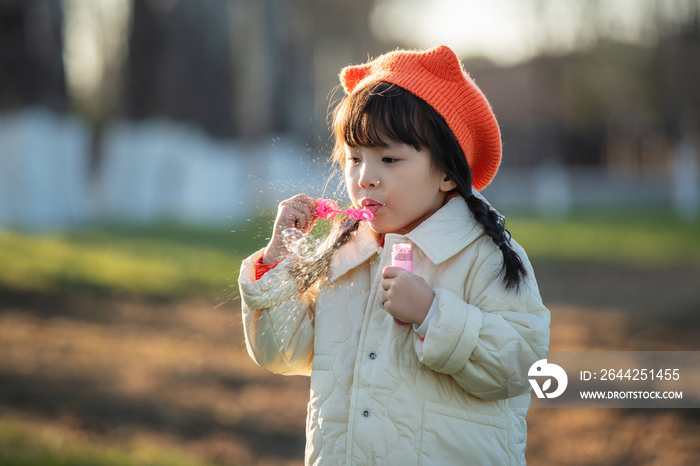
x=437, y=77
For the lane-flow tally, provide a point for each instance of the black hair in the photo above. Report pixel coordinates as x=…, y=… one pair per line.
x=381, y=111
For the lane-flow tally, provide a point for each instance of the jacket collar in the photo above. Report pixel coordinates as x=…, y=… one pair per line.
x=444, y=234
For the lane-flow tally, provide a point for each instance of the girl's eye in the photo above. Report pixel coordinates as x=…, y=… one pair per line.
x=390, y=160
x=353, y=160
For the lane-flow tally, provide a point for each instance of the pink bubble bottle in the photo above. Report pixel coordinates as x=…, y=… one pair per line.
x=402, y=256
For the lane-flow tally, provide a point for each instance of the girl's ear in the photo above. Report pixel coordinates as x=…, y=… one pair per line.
x=446, y=184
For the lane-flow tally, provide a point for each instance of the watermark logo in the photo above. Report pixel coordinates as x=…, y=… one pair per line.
x=604, y=379
x=543, y=368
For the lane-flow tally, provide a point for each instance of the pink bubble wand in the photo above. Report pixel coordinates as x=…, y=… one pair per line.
x=327, y=209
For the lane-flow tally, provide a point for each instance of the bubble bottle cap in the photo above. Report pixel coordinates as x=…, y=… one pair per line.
x=402, y=256
x=402, y=252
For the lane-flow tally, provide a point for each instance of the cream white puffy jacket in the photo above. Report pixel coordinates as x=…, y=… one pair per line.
x=380, y=394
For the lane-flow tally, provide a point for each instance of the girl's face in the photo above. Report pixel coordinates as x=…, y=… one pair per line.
x=395, y=182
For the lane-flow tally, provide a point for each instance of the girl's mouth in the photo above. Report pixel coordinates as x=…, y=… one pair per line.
x=371, y=205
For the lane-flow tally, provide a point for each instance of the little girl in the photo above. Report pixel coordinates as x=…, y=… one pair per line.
x=416, y=139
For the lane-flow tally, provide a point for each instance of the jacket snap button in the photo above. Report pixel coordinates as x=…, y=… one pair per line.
x=373, y=355
x=365, y=413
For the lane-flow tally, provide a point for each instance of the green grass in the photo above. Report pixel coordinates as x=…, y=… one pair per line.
x=26, y=445
x=173, y=261
x=653, y=240
x=166, y=261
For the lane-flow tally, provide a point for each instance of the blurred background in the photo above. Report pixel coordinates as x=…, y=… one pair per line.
x=145, y=144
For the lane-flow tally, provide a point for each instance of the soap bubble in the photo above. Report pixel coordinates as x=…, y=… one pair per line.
x=291, y=236
x=299, y=243
x=307, y=246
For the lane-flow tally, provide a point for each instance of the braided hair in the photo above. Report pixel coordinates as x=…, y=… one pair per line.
x=310, y=271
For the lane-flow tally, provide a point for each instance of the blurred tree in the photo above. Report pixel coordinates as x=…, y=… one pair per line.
x=179, y=63
x=678, y=68
x=94, y=49
x=243, y=67
x=31, y=63
x=309, y=42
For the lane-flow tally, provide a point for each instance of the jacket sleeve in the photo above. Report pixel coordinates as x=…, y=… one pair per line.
x=488, y=339
x=277, y=320
x=261, y=269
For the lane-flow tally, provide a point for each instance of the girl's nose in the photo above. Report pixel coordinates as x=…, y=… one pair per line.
x=369, y=185
x=367, y=179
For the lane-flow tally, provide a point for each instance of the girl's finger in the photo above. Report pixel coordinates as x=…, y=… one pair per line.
x=313, y=204
x=284, y=207
x=308, y=203
x=302, y=204
x=294, y=218
x=391, y=271
x=289, y=220
x=302, y=198
x=304, y=207
x=302, y=219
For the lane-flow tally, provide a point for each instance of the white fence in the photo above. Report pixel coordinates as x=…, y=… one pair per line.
x=43, y=169
x=159, y=170
x=150, y=171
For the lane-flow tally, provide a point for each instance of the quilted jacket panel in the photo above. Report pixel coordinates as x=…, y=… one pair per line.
x=380, y=394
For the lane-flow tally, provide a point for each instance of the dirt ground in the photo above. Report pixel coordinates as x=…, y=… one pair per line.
x=82, y=368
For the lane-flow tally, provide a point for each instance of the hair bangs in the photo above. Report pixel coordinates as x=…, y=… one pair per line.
x=378, y=114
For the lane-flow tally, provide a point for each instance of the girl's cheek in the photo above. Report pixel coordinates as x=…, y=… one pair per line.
x=349, y=178
x=351, y=183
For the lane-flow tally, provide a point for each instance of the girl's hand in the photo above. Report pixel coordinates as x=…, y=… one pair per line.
x=297, y=212
x=406, y=296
